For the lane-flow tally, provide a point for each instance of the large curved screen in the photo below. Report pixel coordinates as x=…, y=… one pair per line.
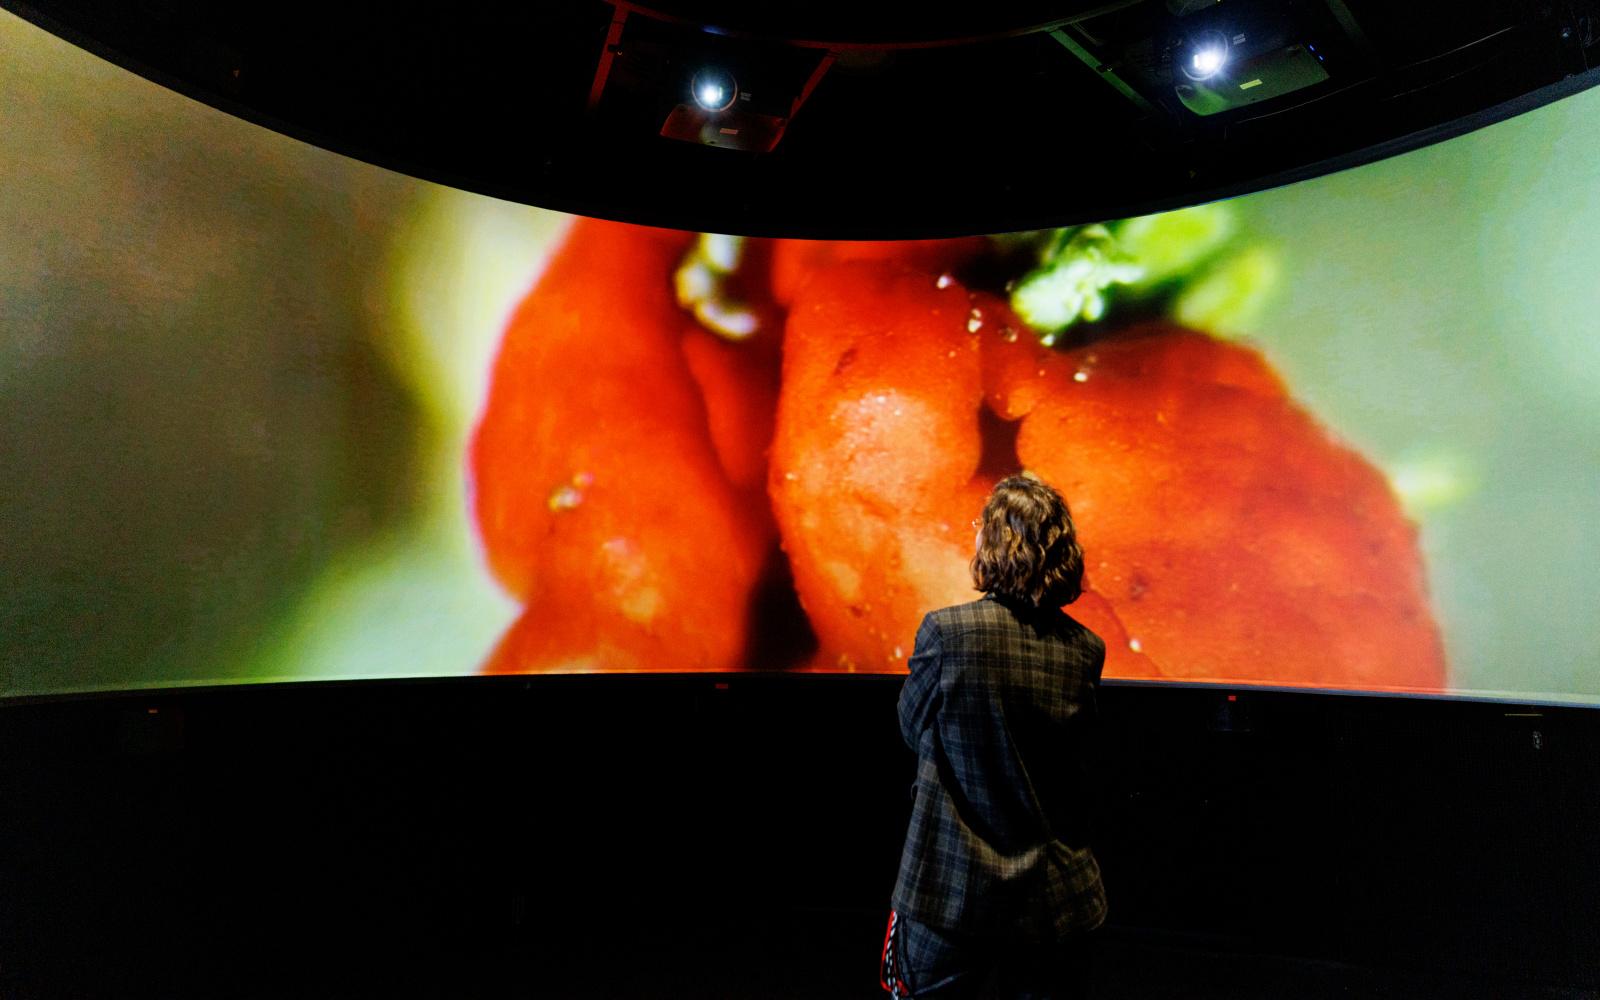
x=270, y=413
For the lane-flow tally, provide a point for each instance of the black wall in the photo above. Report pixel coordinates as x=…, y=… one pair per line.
x=661, y=835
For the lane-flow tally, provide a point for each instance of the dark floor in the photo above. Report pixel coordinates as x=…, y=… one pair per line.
x=639, y=837
x=1132, y=970
x=821, y=955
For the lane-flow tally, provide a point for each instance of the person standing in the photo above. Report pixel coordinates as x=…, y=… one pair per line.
x=997, y=877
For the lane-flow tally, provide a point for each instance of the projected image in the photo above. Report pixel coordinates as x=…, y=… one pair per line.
x=270, y=413
x=674, y=422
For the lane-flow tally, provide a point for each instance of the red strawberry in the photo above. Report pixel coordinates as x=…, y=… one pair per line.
x=602, y=468
x=874, y=476
x=793, y=261
x=1227, y=535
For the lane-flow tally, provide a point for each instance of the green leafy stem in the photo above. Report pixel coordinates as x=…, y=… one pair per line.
x=1190, y=265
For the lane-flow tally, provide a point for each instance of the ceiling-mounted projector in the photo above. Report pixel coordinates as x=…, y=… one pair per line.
x=1227, y=57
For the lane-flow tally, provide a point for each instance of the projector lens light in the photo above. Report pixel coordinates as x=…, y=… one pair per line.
x=714, y=89
x=1204, y=55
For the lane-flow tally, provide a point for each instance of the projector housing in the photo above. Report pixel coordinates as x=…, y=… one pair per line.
x=1269, y=54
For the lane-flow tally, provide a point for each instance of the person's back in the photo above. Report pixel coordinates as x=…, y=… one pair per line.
x=996, y=872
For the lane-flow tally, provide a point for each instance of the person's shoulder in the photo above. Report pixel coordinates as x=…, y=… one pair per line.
x=1076, y=630
x=961, y=618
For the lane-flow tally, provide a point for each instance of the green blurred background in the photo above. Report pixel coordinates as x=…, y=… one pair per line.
x=237, y=374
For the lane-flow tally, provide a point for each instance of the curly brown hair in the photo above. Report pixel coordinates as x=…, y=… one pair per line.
x=1027, y=546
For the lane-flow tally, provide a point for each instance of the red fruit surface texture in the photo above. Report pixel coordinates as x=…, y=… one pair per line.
x=601, y=497
x=794, y=261
x=874, y=475
x=1227, y=536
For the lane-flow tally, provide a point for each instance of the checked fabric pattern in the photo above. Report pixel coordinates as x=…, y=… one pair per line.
x=1000, y=708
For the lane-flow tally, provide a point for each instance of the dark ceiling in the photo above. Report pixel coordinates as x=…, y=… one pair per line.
x=893, y=119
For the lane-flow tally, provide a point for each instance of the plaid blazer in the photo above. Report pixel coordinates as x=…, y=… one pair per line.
x=1000, y=709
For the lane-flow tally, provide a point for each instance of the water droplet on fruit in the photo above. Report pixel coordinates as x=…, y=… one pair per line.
x=1080, y=376
x=1134, y=645
x=898, y=652
x=945, y=281
x=1010, y=334
x=564, y=497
